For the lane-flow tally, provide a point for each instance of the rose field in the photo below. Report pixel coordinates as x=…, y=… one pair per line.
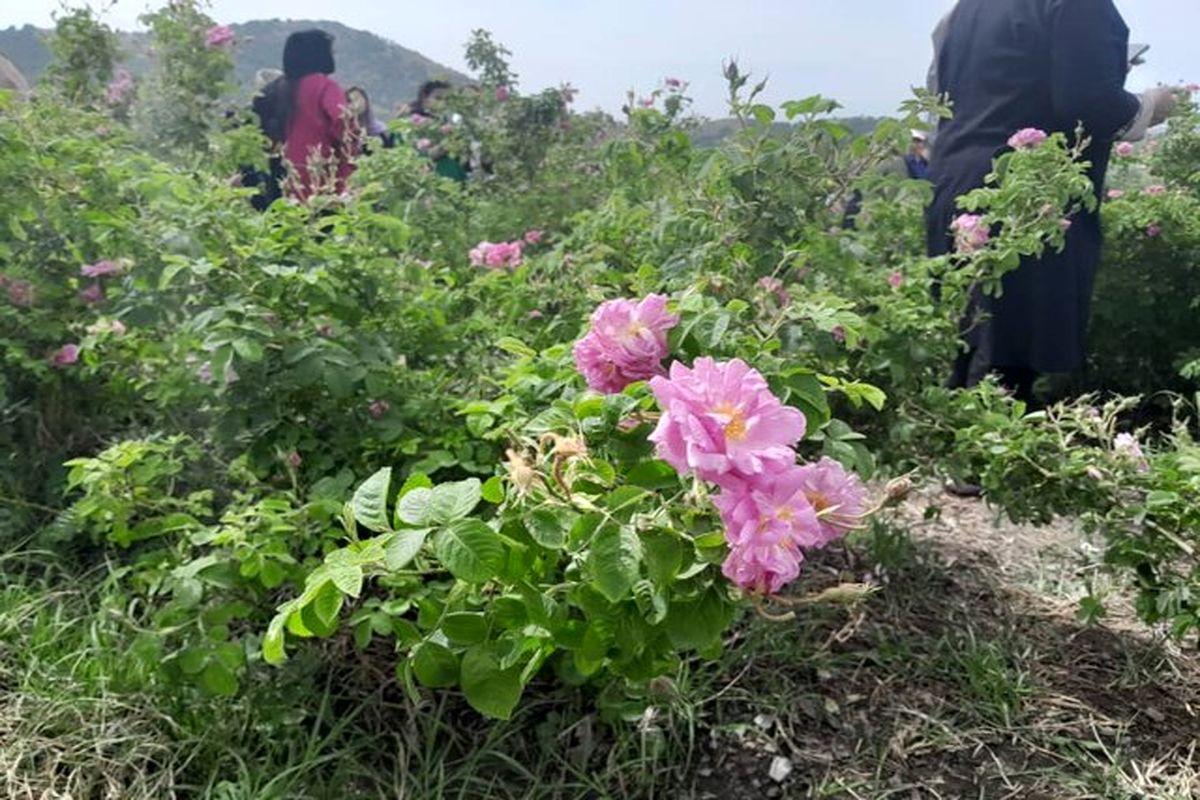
x=614, y=471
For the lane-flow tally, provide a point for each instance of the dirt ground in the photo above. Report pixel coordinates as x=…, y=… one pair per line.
x=967, y=675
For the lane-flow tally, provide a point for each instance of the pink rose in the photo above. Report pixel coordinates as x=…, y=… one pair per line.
x=424, y=144
x=626, y=343
x=895, y=280
x=1156, y=190
x=1124, y=149
x=93, y=294
x=100, y=269
x=219, y=36
x=673, y=83
x=378, y=408
x=501, y=93
x=294, y=459
x=971, y=233
x=534, y=237
x=1115, y=194
x=20, y=293
x=65, y=356
x=1153, y=231
x=646, y=102
x=722, y=423
x=1027, y=139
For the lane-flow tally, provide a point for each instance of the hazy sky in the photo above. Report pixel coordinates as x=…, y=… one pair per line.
x=865, y=53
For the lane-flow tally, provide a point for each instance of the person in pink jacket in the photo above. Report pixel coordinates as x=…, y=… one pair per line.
x=321, y=139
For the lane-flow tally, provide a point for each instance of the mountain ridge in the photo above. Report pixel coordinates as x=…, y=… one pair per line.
x=389, y=72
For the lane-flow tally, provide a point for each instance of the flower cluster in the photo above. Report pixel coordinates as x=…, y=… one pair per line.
x=722, y=423
x=1027, y=138
x=119, y=87
x=219, y=36
x=626, y=343
x=496, y=255
x=971, y=233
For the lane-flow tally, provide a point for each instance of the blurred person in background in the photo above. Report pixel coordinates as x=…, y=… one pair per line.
x=368, y=123
x=1007, y=65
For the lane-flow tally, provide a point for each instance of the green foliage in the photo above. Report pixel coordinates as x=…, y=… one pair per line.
x=84, y=52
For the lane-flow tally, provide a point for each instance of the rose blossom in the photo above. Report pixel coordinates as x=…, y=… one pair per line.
x=118, y=87
x=496, y=255
x=100, y=269
x=218, y=36
x=1115, y=194
x=534, y=237
x=1027, y=139
x=763, y=569
x=501, y=93
x=93, y=294
x=1156, y=189
x=1153, y=231
x=378, y=408
x=837, y=495
x=294, y=459
x=895, y=280
x=424, y=144
x=770, y=509
x=1124, y=149
x=971, y=234
x=626, y=343
x=65, y=356
x=673, y=83
x=722, y=422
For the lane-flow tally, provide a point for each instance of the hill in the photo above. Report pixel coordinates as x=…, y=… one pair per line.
x=390, y=73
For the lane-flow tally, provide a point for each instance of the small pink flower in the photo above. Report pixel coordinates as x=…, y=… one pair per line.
x=722, y=423
x=497, y=255
x=1115, y=194
x=1126, y=445
x=646, y=102
x=219, y=36
x=65, y=356
x=673, y=83
x=764, y=569
x=1027, y=139
x=418, y=120
x=1192, y=87
x=100, y=269
x=378, y=408
x=626, y=343
x=534, y=237
x=839, y=334
x=896, y=280
x=1124, y=149
x=445, y=129
x=535, y=314
x=501, y=93
x=971, y=233
x=1156, y=189
x=424, y=144
x=769, y=284
x=93, y=294
x=1153, y=231
x=294, y=460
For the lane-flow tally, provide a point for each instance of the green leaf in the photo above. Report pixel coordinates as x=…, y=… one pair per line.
x=413, y=508
x=403, y=547
x=490, y=690
x=653, y=475
x=370, y=501
x=273, y=649
x=471, y=551
x=348, y=579
x=493, y=490
x=515, y=346
x=435, y=666
x=698, y=624
x=664, y=557
x=219, y=680
x=465, y=627
x=547, y=529
x=613, y=561
x=454, y=501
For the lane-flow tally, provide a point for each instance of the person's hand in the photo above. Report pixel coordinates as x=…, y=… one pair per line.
x=1163, y=100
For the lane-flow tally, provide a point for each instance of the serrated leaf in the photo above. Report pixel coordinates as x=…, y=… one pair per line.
x=348, y=579
x=698, y=624
x=613, y=561
x=664, y=557
x=273, y=649
x=471, y=551
x=653, y=475
x=370, y=501
x=403, y=547
x=547, y=529
x=490, y=690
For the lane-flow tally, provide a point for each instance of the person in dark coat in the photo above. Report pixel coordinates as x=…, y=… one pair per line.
x=1013, y=64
